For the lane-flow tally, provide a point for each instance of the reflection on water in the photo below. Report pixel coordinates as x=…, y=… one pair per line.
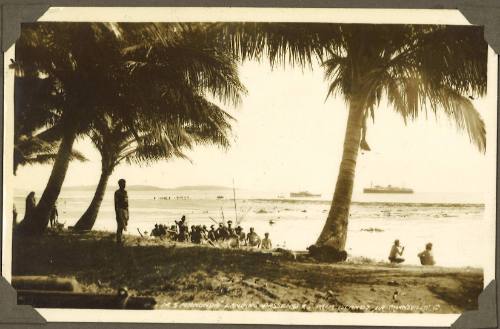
x=453, y=223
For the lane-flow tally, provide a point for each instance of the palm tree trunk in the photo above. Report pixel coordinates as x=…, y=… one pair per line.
x=87, y=221
x=37, y=223
x=331, y=242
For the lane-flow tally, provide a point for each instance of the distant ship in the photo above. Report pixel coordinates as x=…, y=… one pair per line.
x=220, y=197
x=303, y=194
x=388, y=189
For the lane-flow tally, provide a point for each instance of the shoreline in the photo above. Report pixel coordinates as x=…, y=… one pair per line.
x=187, y=276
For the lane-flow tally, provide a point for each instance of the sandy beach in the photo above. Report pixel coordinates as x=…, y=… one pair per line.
x=186, y=276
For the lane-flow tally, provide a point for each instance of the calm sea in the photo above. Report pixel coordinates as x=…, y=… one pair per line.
x=452, y=222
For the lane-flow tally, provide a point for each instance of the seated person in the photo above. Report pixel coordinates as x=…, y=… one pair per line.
x=253, y=240
x=222, y=232
x=156, y=231
x=426, y=257
x=212, y=236
x=241, y=235
x=266, y=242
x=396, y=251
x=172, y=233
x=162, y=230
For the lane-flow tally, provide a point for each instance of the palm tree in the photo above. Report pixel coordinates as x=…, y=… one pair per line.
x=112, y=70
x=194, y=67
x=118, y=144
x=418, y=69
x=36, y=138
x=77, y=77
x=39, y=148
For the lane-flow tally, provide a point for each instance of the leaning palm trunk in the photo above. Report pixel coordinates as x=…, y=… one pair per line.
x=87, y=221
x=331, y=242
x=37, y=223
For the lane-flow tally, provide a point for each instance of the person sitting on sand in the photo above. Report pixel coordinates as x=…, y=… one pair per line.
x=266, y=243
x=426, y=257
x=156, y=231
x=162, y=230
x=172, y=233
x=121, y=210
x=196, y=234
x=183, y=234
x=396, y=251
x=30, y=205
x=211, y=234
x=204, y=233
x=253, y=239
x=222, y=233
x=14, y=215
x=240, y=234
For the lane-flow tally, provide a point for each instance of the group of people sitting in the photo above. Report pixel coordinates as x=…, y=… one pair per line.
x=426, y=256
x=235, y=237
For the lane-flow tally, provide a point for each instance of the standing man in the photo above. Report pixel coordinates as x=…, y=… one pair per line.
x=121, y=210
x=54, y=215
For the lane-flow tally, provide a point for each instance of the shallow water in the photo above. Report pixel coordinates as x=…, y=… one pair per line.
x=453, y=223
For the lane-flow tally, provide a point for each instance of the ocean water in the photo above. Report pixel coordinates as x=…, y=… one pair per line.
x=452, y=222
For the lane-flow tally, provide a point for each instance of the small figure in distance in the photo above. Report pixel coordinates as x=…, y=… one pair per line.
x=426, y=257
x=396, y=251
x=121, y=210
x=54, y=215
x=266, y=243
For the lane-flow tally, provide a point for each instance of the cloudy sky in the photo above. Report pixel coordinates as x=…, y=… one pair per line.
x=288, y=138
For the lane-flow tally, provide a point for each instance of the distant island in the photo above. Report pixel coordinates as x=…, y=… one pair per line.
x=152, y=188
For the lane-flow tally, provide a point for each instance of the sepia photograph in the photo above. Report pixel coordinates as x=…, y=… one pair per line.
x=279, y=166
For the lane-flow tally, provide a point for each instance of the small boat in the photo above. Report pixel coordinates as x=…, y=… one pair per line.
x=271, y=222
x=220, y=197
x=387, y=189
x=304, y=194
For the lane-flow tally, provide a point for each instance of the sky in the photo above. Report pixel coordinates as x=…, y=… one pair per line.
x=288, y=137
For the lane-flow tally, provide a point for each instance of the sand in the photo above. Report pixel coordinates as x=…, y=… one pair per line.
x=186, y=276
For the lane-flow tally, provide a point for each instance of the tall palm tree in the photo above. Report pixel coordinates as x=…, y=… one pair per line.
x=111, y=70
x=417, y=69
x=177, y=65
x=39, y=148
x=116, y=144
x=36, y=138
x=79, y=75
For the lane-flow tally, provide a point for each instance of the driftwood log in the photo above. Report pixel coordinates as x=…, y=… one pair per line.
x=45, y=283
x=65, y=299
x=55, y=292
